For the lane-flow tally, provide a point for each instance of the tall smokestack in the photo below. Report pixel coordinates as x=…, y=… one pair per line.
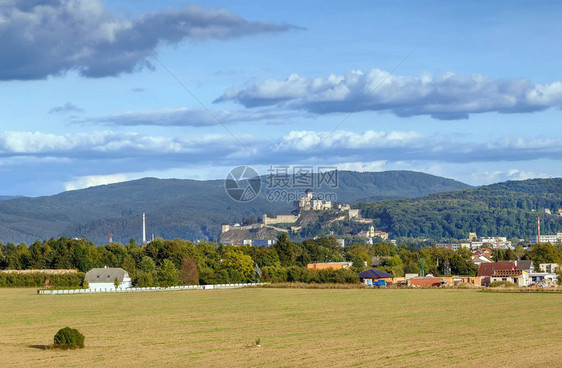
x=143, y=228
x=538, y=229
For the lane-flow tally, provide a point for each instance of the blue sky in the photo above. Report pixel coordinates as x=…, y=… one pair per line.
x=84, y=102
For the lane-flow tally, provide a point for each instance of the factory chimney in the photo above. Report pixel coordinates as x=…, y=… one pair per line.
x=143, y=228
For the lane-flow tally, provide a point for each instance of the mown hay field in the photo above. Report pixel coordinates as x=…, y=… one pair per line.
x=297, y=328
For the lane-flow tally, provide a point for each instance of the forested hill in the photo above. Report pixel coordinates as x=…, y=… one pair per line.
x=187, y=209
x=504, y=209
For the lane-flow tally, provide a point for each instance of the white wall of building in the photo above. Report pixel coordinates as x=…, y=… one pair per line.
x=127, y=283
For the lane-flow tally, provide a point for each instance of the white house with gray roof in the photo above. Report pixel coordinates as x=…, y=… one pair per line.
x=104, y=278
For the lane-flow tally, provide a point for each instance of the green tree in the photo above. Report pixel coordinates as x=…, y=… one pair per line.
x=286, y=250
x=144, y=279
x=358, y=263
x=129, y=266
x=544, y=253
x=394, y=261
x=147, y=264
x=168, y=275
x=240, y=262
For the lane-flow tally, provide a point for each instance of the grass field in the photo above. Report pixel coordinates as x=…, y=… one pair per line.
x=297, y=327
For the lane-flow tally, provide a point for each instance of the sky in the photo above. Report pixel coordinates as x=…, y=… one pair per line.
x=96, y=92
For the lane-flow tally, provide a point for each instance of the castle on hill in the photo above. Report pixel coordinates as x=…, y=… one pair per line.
x=306, y=203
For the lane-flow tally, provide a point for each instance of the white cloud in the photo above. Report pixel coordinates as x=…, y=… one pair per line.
x=516, y=174
x=306, y=140
x=297, y=145
x=448, y=96
x=17, y=143
x=94, y=180
x=363, y=166
x=52, y=37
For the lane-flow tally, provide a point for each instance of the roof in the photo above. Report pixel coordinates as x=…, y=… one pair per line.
x=374, y=274
x=487, y=269
x=105, y=274
x=482, y=258
x=524, y=264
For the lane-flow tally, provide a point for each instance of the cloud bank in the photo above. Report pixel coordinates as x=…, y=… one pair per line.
x=51, y=37
x=98, y=157
x=295, y=147
x=447, y=97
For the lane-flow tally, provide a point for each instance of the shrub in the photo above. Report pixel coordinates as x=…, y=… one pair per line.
x=69, y=338
x=68, y=280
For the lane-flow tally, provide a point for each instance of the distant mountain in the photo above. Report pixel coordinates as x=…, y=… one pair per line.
x=186, y=209
x=376, y=186
x=504, y=209
x=7, y=198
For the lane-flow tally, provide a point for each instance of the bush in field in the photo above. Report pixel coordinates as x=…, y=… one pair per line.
x=69, y=338
x=502, y=284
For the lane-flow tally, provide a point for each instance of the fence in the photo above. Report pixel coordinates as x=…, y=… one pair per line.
x=140, y=289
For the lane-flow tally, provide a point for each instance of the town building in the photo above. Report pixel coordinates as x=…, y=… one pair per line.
x=486, y=270
x=549, y=267
x=525, y=265
x=373, y=277
x=430, y=281
x=372, y=233
x=104, y=278
x=478, y=260
x=486, y=252
x=537, y=277
x=259, y=242
x=453, y=246
x=330, y=266
x=518, y=277
x=552, y=239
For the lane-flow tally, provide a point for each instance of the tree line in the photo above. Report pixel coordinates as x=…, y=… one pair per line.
x=180, y=262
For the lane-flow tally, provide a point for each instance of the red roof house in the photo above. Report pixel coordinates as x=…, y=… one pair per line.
x=487, y=269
